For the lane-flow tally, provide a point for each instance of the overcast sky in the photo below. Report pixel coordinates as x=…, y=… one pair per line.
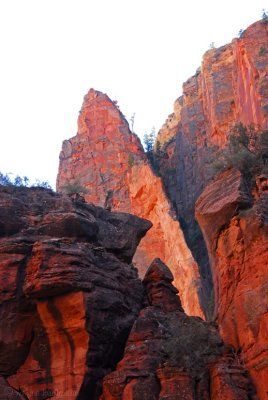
x=138, y=52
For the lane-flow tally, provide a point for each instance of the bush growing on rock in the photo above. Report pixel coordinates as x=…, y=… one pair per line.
x=73, y=187
x=246, y=150
x=192, y=333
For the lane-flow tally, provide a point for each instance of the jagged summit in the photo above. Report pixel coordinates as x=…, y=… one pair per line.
x=108, y=160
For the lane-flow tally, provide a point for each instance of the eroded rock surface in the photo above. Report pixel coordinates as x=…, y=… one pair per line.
x=230, y=87
x=109, y=161
x=235, y=226
x=69, y=295
x=170, y=355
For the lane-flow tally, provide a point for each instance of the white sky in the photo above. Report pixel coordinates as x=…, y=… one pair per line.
x=138, y=52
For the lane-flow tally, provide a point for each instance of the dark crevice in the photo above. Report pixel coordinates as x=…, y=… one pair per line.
x=112, y=354
x=21, y=273
x=178, y=184
x=196, y=243
x=23, y=394
x=60, y=325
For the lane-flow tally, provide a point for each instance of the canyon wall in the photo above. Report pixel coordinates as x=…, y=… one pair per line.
x=235, y=225
x=170, y=355
x=76, y=320
x=69, y=294
x=75, y=314
x=109, y=162
x=230, y=87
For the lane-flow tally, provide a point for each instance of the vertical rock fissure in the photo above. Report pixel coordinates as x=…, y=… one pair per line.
x=191, y=230
x=21, y=274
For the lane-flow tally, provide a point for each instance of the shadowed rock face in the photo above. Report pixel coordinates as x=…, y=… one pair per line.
x=109, y=161
x=69, y=295
x=172, y=356
x=231, y=87
x=235, y=226
x=70, y=299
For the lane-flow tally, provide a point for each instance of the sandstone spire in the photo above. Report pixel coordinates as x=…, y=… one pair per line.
x=108, y=160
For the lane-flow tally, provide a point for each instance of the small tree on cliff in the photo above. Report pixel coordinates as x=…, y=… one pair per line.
x=19, y=181
x=5, y=180
x=151, y=150
x=132, y=120
x=73, y=187
x=246, y=150
x=149, y=140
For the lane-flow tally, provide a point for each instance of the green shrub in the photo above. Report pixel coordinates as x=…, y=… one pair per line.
x=5, y=180
x=263, y=51
x=191, y=344
x=19, y=181
x=264, y=17
x=73, y=187
x=130, y=161
x=246, y=150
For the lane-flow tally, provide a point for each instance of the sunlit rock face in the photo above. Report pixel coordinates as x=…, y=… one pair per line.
x=235, y=227
x=230, y=87
x=109, y=161
x=69, y=294
x=170, y=355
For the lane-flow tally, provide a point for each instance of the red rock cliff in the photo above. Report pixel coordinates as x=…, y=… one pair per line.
x=230, y=87
x=235, y=226
x=172, y=356
x=108, y=160
x=70, y=297
x=68, y=293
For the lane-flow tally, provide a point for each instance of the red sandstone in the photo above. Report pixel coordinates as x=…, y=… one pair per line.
x=108, y=160
x=235, y=227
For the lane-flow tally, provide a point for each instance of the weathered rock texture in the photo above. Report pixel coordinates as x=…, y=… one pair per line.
x=172, y=356
x=109, y=161
x=235, y=226
x=68, y=293
x=70, y=297
x=231, y=87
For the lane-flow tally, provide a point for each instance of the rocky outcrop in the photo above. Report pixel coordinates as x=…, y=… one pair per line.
x=172, y=356
x=235, y=226
x=69, y=295
x=109, y=162
x=74, y=313
x=230, y=87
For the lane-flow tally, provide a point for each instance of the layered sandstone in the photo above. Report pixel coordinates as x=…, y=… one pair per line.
x=170, y=355
x=108, y=160
x=235, y=225
x=69, y=295
x=230, y=87
x=73, y=311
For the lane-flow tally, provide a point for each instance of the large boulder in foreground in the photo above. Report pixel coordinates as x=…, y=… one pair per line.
x=69, y=294
x=235, y=226
x=171, y=356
